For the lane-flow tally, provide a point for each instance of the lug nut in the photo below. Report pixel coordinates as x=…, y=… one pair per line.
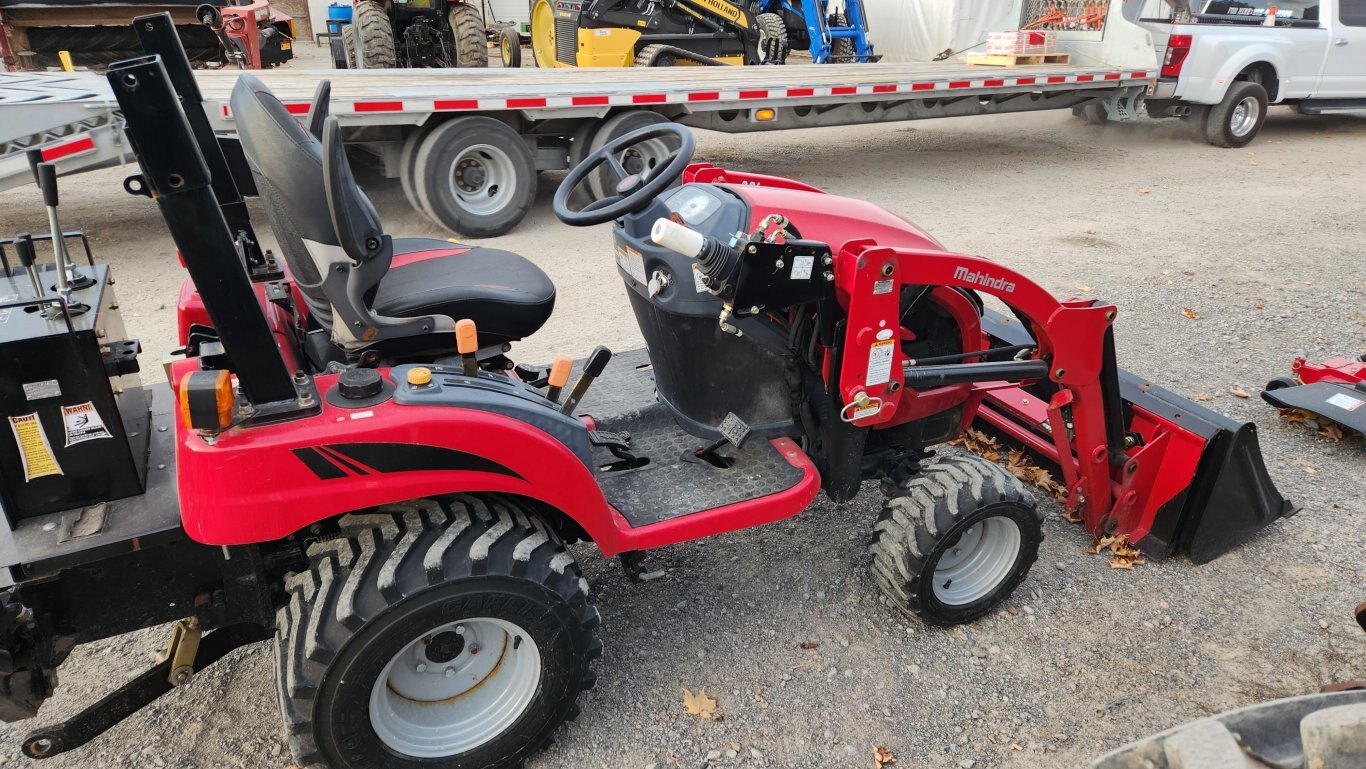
x=421, y=667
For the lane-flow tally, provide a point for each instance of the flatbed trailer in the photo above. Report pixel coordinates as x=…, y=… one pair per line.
x=467, y=143
x=70, y=118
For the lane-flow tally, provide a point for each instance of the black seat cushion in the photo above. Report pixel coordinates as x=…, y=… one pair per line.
x=506, y=296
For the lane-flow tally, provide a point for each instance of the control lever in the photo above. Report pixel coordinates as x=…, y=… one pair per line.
x=597, y=361
x=467, y=344
x=559, y=377
x=23, y=243
x=715, y=260
x=68, y=277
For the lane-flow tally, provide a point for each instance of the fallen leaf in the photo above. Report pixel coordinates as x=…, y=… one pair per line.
x=809, y=645
x=1090, y=232
x=1123, y=555
x=882, y=757
x=1258, y=304
x=1310, y=470
x=1143, y=190
x=1188, y=273
x=1238, y=392
x=1120, y=563
x=1189, y=313
x=1202, y=397
x=699, y=704
x=1083, y=287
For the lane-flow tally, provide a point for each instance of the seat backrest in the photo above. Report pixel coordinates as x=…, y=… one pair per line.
x=318, y=108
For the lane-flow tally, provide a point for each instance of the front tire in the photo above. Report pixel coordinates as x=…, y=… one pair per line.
x=380, y=648
x=1235, y=121
x=954, y=541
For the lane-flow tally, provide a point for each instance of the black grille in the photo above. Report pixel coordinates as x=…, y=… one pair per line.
x=566, y=39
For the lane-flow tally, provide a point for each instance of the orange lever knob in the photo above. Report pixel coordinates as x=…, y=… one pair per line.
x=559, y=371
x=466, y=337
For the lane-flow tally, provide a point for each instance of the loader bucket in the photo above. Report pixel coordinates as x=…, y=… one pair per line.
x=1203, y=485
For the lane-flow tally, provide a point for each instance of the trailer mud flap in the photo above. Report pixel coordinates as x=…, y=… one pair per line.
x=1194, y=480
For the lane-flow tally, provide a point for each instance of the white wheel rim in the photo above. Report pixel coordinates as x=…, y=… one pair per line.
x=646, y=157
x=1244, y=116
x=427, y=703
x=978, y=562
x=482, y=179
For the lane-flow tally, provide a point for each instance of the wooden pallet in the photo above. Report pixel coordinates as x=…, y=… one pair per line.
x=1018, y=59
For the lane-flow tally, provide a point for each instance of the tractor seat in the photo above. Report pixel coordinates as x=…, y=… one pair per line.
x=363, y=287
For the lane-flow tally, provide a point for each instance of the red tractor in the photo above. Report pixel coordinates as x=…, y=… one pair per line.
x=347, y=459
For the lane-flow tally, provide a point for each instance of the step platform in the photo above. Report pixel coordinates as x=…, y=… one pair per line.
x=667, y=479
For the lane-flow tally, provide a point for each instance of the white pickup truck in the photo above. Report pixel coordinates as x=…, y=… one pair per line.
x=1224, y=62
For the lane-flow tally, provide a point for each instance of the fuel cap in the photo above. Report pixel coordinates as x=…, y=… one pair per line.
x=360, y=384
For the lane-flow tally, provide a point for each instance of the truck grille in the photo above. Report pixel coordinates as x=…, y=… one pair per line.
x=567, y=40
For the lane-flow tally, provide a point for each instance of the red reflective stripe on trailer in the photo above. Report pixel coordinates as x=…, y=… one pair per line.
x=1057, y=78
x=1139, y=74
x=59, y=151
x=589, y=101
x=960, y=83
x=886, y=88
x=922, y=86
x=754, y=94
x=225, y=111
x=648, y=98
x=843, y=90
x=705, y=96
x=1112, y=76
x=1025, y=81
x=801, y=92
x=520, y=103
x=993, y=83
x=297, y=109
x=1085, y=78
x=451, y=104
x=378, y=106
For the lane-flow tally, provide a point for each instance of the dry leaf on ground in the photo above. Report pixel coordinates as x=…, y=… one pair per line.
x=700, y=704
x=1204, y=397
x=809, y=645
x=1123, y=555
x=1258, y=304
x=882, y=757
x=1189, y=313
x=1239, y=392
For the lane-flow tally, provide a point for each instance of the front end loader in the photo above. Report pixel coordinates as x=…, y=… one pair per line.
x=625, y=33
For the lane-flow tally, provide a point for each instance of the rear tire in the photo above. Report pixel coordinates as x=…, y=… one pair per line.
x=475, y=176
x=954, y=541
x=1093, y=112
x=1235, y=121
x=471, y=40
x=842, y=49
x=772, y=27
x=510, y=48
x=375, y=627
x=543, y=33
x=636, y=159
x=376, y=36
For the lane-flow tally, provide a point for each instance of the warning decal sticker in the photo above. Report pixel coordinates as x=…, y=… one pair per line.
x=34, y=450
x=880, y=362
x=83, y=423
x=1347, y=402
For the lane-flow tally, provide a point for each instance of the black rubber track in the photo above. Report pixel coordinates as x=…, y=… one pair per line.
x=406, y=554
x=926, y=513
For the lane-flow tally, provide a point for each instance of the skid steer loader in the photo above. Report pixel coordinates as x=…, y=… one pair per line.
x=644, y=33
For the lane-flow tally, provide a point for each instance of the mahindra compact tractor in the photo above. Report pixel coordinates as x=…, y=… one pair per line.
x=345, y=458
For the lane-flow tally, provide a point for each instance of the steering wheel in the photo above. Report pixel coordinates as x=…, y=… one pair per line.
x=634, y=191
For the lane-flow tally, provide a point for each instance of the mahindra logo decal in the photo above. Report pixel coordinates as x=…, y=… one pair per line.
x=983, y=279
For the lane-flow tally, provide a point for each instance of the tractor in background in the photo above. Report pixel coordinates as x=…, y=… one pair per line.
x=384, y=34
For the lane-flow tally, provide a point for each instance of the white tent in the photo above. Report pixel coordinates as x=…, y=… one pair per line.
x=918, y=30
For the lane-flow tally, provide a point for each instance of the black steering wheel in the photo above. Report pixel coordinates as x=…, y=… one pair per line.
x=633, y=191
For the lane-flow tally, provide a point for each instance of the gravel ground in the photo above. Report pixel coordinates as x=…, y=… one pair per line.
x=1263, y=243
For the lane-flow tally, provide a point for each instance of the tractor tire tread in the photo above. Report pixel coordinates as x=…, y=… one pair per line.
x=393, y=553
x=771, y=25
x=376, y=35
x=471, y=39
x=920, y=511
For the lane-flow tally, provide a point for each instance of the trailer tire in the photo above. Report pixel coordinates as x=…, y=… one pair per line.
x=920, y=535
x=376, y=36
x=471, y=39
x=1235, y=121
x=510, y=48
x=772, y=27
x=1093, y=112
x=406, y=595
x=407, y=169
x=614, y=128
x=496, y=182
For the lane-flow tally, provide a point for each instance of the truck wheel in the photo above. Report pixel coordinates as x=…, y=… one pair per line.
x=434, y=635
x=1235, y=121
x=376, y=36
x=510, y=47
x=1093, y=112
x=641, y=157
x=471, y=40
x=772, y=27
x=407, y=168
x=475, y=176
x=955, y=540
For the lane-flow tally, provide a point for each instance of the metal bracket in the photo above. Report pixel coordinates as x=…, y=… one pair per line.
x=181, y=651
x=1124, y=104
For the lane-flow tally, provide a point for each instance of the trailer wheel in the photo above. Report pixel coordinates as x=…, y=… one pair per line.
x=376, y=36
x=471, y=39
x=434, y=634
x=641, y=157
x=1235, y=121
x=1093, y=112
x=475, y=176
x=955, y=540
x=772, y=27
x=510, y=47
